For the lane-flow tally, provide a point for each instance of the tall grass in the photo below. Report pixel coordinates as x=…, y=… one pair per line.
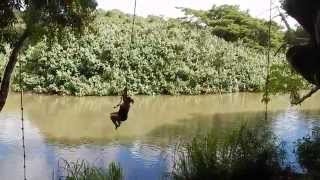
x=81, y=170
x=245, y=153
x=308, y=149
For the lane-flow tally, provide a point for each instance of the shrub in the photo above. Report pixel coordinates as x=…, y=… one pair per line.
x=246, y=153
x=308, y=149
x=168, y=57
x=81, y=170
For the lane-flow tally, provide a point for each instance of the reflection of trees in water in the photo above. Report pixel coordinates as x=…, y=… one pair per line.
x=167, y=134
x=76, y=105
x=202, y=124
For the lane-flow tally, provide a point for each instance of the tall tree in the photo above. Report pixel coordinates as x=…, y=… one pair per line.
x=233, y=24
x=38, y=17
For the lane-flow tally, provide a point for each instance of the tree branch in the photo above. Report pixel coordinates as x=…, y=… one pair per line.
x=5, y=83
x=306, y=96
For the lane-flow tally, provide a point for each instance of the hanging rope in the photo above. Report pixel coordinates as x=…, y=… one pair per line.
x=266, y=98
x=132, y=40
x=133, y=22
x=22, y=123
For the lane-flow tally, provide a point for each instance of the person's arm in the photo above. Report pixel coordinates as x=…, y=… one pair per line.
x=119, y=103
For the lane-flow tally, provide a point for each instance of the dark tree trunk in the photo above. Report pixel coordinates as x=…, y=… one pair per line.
x=5, y=83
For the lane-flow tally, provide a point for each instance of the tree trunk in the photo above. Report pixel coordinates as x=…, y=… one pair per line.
x=5, y=83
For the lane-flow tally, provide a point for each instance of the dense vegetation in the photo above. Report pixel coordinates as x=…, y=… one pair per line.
x=308, y=149
x=246, y=153
x=232, y=24
x=81, y=170
x=169, y=57
x=28, y=20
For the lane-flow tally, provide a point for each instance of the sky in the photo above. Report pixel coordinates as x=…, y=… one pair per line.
x=167, y=8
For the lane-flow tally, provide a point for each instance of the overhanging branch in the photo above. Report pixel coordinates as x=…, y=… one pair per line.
x=306, y=96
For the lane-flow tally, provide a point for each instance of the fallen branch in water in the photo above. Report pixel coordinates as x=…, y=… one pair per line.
x=306, y=96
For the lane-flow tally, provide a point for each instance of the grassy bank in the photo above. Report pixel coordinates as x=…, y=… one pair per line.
x=241, y=153
x=81, y=170
x=245, y=153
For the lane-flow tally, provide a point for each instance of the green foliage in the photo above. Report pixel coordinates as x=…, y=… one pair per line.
x=284, y=80
x=245, y=153
x=168, y=57
x=308, y=149
x=232, y=24
x=39, y=12
x=38, y=17
x=81, y=170
x=7, y=16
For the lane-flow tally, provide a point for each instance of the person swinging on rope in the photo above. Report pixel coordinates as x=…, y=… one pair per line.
x=122, y=114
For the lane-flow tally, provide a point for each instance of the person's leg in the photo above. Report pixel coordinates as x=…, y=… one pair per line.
x=115, y=123
x=120, y=120
x=114, y=118
x=118, y=125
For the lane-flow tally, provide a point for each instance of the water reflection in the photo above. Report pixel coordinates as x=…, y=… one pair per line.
x=292, y=125
x=78, y=128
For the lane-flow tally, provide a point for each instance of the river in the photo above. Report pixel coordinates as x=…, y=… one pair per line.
x=72, y=128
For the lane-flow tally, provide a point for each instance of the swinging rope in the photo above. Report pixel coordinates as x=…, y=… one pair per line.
x=22, y=123
x=266, y=98
x=132, y=40
x=133, y=22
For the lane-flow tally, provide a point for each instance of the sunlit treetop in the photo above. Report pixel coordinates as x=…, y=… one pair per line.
x=232, y=24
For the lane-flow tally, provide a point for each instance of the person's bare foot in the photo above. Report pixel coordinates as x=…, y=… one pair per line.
x=118, y=125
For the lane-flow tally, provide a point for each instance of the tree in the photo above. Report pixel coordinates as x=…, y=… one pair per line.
x=232, y=24
x=304, y=59
x=38, y=17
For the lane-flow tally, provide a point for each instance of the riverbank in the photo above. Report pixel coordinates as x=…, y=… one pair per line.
x=169, y=57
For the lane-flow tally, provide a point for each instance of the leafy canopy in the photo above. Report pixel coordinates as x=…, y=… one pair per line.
x=232, y=24
x=38, y=14
x=168, y=57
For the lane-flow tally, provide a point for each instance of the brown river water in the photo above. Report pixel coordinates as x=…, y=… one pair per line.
x=72, y=128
